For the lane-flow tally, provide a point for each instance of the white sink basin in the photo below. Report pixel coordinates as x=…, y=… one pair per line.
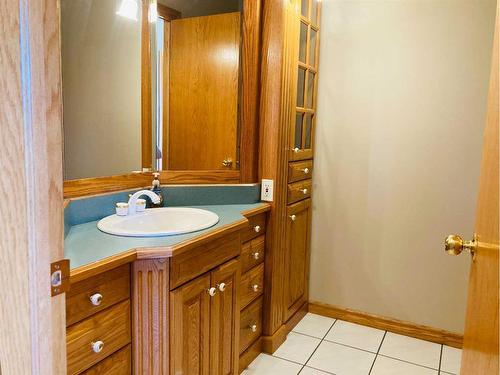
x=165, y=221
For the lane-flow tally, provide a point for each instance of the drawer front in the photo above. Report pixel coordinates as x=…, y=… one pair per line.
x=257, y=227
x=252, y=253
x=95, y=294
x=250, y=324
x=118, y=363
x=111, y=326
x=192, y=263
x=252, y=285
x=299, y=191
x=300, y=170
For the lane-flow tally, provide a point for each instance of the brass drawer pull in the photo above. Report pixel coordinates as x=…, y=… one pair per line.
x=293, y=217
x=255, y=288
x=256, y=228
x=97, y=346
x=253, y=327
x=296, y=149
x=305, y=170
x=304, y=191
x=96, y=299
x=212, y=291
x=256, y=255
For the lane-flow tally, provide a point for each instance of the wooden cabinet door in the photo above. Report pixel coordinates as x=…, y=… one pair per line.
x=225, y=320
x=190, y=328
x=297, y=256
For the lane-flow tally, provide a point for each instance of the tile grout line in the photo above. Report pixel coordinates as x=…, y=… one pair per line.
x=376, y=354
x=321, y=341
x=440, y=359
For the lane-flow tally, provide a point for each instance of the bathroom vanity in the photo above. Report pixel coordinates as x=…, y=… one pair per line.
x=189, y=303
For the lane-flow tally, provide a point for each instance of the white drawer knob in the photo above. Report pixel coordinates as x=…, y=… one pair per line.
x=97, y=346
x=96, y=299
x=212, y=291
x=256, y=256
x=293, y=217
x=256, y=228
x=255, y=288
x=222, y=287
x=296, y=149
x=253, y=327
x=304, y=191
x=305, y=170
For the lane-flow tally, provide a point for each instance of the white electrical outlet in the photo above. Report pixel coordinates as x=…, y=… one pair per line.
x=266, y=193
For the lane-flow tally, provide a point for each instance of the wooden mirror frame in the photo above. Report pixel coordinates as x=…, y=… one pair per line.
x=248, y=119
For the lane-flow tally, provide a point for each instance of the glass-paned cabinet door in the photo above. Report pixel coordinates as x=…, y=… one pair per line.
x=302, y=139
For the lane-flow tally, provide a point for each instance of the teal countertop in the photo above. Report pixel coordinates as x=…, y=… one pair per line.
x=85, y=243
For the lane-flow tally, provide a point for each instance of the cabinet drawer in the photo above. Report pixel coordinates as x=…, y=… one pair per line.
x=118, y=363
x=299, y=190
x=300, y=170
x=107, y=289
x=252, y=285
x=252, y=253
x=194, y=262
x=111, y=326
x=250, y=324
x=256, y=228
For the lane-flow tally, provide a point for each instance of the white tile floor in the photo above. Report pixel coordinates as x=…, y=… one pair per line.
x=320, y=345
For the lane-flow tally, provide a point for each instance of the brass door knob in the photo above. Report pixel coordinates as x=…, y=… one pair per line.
x=454, y=244
x=227, y=162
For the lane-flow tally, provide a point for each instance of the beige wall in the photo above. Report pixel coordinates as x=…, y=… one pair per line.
x=402, y=100
x=101, y=62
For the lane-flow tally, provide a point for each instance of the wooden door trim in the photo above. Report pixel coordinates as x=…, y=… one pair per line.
x=31, y=152
x=418, y=331
x=250, y=90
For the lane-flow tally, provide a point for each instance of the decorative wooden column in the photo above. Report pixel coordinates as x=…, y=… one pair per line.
x=150, y=316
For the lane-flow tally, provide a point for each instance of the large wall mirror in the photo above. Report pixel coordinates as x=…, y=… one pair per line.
x=166, y=85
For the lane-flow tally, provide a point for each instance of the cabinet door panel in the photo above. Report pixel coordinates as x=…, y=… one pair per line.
x=190, y=327
x=224, y=330
x=297, y=256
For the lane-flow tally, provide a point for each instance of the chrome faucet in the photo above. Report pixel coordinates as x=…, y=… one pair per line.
x=132, y=202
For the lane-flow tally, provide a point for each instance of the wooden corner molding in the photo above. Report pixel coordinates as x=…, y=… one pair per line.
x=418, y=331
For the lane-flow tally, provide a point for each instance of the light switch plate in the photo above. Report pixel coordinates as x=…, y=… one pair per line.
x=267, y=190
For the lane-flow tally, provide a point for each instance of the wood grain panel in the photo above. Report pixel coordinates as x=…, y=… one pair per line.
x=190, y=322
x=301, y=170
x=201, y=259
x=114, y=286
x=150, y=312
x=388, y=324
x=112, y=326
x=252, y=253
x=204, y=84
x=481, y=341
x=297, y=257
x=119, y=363
x=31, y=235
x=276, y=108
x=250, y=316
x=250, y=85
x=250, y=354
x=299, y=191
x=252, y=278
x=225, y=319
x=256, y=227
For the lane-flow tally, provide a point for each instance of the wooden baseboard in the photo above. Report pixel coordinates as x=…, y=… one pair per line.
x=271, y=343
x=250, y=354
x=388, y=324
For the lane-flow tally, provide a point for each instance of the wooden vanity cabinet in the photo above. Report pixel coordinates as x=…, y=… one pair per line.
x=204, y=320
